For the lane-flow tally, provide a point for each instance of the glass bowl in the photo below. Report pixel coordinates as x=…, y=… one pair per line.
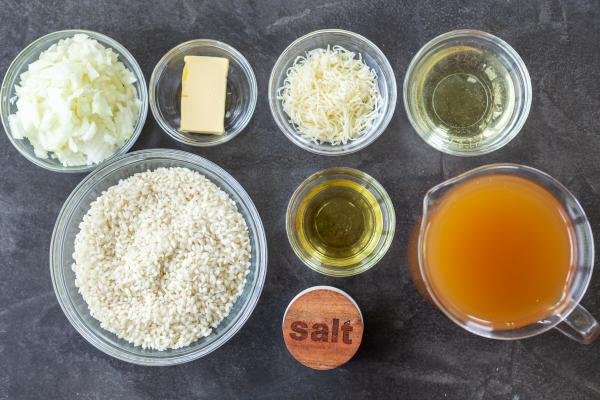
x=380, y=195
x=31, y=53
x=513, y=117
x=165, y=91
x=67, y=227
x=372, y=56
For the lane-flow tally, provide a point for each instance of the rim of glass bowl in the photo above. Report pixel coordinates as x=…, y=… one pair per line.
x=18, y=66
x=58, y=237
x=522, y=72
x=182, y=47
x=280, y=118
x=387, y=210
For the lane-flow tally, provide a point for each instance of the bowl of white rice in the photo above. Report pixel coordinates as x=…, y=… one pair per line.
x=158, y=257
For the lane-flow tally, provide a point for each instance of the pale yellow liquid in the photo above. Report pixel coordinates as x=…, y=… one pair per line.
x=339, y=222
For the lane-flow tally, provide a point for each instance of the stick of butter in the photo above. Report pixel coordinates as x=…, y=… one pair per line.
x=203, y=90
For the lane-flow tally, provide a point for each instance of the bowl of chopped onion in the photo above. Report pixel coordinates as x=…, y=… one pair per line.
x=73, y=99
x=332, y=92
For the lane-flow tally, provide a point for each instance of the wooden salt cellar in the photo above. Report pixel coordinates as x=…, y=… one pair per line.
x=322, y=327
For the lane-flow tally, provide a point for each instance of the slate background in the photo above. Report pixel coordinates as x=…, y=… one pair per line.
x=410, y=350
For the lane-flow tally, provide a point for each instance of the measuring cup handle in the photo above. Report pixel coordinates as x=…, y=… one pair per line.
x=580, y=325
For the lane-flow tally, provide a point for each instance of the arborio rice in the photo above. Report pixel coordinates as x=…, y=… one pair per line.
x=161, y=257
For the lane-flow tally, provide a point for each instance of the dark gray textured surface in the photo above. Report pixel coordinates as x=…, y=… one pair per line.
x=410, y=350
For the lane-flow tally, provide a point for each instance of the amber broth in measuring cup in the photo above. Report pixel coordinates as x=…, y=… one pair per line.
x=498, y=250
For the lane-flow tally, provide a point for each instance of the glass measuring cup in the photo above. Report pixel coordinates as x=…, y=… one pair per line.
x=567, y=316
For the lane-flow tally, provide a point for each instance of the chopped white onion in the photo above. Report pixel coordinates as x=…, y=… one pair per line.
x=76, y=103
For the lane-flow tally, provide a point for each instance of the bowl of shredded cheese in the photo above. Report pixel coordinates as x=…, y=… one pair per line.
x=73, y=99
x=332, y=92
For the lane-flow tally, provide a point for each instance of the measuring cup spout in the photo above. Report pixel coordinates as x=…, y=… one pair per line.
x=435, y=194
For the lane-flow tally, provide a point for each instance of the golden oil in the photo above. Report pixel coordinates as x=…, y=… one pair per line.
x=465, y=94
x=339, y=222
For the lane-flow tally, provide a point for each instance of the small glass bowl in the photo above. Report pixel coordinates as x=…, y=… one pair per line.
x=30, y=54
x=165, y=91
x=371, y=55
x=487, y=43
x=378, y=192
x=67, y=227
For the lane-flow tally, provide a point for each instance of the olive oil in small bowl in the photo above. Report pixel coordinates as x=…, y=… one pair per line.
x=467, y=93
x=340, y=222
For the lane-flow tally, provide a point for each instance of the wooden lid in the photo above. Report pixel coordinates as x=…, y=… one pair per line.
x=322, y=327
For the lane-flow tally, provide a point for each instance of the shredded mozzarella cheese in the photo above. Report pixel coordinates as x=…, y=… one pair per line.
x=330, y=95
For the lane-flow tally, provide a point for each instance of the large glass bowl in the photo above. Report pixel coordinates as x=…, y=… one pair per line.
x=165, y=91
x=31, y=53
x=371, y=55
x=67, y=227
